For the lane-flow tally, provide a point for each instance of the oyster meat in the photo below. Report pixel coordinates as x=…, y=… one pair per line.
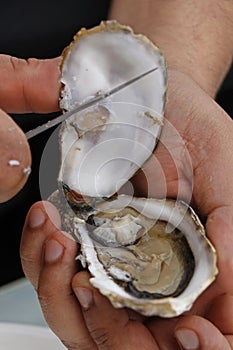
x=147, y=254
x=162, y=269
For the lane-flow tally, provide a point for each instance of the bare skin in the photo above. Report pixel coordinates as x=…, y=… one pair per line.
x=48, y=255
x=195, y=36
x=205, y=131
x=29, y=86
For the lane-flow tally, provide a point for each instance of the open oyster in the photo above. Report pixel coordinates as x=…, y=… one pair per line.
x=147, y=254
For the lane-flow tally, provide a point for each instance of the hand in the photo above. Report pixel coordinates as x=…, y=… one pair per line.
x=198, y=130
x=26, y=87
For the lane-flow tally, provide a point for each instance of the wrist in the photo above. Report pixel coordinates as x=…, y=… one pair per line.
x=195, y=37
x=197, y=57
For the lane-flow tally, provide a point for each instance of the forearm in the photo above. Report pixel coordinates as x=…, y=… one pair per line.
x=196, y=37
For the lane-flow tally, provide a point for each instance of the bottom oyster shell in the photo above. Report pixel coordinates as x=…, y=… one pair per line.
x=147, y=254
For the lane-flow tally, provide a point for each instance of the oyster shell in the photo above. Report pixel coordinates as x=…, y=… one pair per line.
x=143, y=253
x=159, y=266
x=105, y=145
x=150, y=255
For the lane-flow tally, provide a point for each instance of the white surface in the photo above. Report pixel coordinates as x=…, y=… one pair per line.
x=27, y=337
x=19, y=304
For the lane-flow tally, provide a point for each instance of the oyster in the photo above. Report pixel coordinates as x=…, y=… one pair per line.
x=147, y=254
x=105, y=145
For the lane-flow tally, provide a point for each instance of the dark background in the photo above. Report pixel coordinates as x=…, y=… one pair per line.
x=42, y=29
x=38, y=29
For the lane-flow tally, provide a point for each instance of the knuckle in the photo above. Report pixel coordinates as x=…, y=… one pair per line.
x=20, y=68
x=17, y=63
x=26, y=256
x=29, y=269
x=47, y=299
x=101, y=337
x=50, y=298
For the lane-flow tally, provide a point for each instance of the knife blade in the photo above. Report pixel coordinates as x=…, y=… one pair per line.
x=64, y=116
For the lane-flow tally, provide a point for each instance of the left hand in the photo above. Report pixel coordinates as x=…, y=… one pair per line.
x=84, y=319
x=92, y=323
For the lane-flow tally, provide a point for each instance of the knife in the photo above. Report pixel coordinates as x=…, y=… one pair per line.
x=64, y=116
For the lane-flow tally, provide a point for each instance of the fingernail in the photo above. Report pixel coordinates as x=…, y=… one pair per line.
x=187, y=339
x=36, y=218
x=53, y=250
x=85, y=297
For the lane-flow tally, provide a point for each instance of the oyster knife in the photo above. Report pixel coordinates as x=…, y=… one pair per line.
x=100, y=97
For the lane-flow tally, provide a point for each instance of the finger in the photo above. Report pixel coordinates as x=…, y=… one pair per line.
x=42, y=220
x=206, y=130
x=220, y=313
x=163, y=331
x=170, y=165
x=230, y=340
x=219, y=230
x=194, y=333
x=48, y=260
x=110, y=328
x=58, y=302
x=29, y=85
x=15, y=159
x=213, y=187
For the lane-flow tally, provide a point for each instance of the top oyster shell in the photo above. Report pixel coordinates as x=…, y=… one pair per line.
x=102, y=147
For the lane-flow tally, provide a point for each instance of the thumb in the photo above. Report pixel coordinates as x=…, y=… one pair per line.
x=194, y=333
x=15, y=158
x=29, y=85
x=110, y=328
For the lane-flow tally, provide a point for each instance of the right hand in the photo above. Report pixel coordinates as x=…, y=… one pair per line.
x=28, y=86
